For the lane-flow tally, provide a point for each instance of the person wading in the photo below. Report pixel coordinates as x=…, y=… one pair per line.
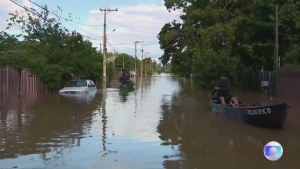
x=123, y=79
x=223, y=88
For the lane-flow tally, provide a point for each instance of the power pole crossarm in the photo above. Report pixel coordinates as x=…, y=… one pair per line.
x=106, y=11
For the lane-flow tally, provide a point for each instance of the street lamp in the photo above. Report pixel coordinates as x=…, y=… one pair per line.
x=111, y=32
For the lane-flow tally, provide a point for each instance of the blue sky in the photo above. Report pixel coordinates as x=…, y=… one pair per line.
x=136, y=20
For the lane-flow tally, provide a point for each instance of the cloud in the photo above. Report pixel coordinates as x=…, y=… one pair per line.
x=6, y=7
x=132, y=23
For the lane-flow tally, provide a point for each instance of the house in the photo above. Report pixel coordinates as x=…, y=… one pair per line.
x=111, y=59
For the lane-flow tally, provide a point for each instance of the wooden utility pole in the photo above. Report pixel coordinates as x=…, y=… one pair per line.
x=123, y=62
x=142, y=61
x=276, y=61
x=276, y=38
x=151, y=66
x=135, y=55
x=146, y=66
x=114, y=58
x=100, y=48
x=106, y=11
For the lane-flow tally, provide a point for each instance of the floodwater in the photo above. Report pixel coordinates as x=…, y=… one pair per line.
x=163, y=124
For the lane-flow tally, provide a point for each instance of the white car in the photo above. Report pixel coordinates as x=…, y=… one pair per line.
x=79, y=87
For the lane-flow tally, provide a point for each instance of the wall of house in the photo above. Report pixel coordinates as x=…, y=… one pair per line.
x=288, y=82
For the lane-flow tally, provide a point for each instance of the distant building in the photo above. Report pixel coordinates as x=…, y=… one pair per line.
x=111, y=59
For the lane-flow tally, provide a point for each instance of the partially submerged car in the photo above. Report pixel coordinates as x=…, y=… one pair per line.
x=79, y=87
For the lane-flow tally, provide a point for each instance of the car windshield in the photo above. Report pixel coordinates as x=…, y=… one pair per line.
x=77, y=83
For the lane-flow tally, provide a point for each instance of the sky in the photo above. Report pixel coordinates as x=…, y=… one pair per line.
x=135, y=20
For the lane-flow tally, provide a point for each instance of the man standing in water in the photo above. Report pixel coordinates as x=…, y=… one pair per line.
x=223, y=88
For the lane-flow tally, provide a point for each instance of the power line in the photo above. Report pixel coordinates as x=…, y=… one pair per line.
x=79, y=22
x=55, y=13
x=61, y=17
x=39, y=15
x=26, y=9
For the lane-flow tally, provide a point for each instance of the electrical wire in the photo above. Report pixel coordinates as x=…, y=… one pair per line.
x=40, y=16
x=62, y=17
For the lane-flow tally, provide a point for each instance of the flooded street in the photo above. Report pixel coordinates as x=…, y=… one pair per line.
x=163, y=124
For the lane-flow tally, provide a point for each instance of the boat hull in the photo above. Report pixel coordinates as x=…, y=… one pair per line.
x=272, y=116
x=129, y=85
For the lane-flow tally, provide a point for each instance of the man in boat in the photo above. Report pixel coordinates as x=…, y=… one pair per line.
x=223, y=88
x=123, y=79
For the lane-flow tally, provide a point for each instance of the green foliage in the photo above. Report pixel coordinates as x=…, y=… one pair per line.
x=128, y=61
x=110, y=71
x=50, y=51
x=293, y=58
x=245, y=29
x=209, y=66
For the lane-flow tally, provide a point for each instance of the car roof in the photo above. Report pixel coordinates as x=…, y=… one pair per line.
x=81, y=80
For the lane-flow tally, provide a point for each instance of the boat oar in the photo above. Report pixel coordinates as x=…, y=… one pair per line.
x=210, y=96
x=232, y=104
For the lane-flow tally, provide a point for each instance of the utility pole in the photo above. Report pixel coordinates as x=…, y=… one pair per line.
x=276, y=38
x=100, y=48
x=151, y=66
x=106, y=11
x=276, y=46
x=135, y=55
x=146, y=65
x=123, y=62
x=142, y=61
x=114, y=58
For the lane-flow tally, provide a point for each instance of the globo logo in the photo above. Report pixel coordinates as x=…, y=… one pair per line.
x=273, y=151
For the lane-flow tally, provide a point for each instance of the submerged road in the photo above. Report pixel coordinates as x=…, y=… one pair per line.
x=162, y=124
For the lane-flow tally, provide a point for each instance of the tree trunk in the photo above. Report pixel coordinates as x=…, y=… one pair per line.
x=20, y=81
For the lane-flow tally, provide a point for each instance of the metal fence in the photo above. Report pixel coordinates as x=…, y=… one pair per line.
x=260, y=81
x=9, y=81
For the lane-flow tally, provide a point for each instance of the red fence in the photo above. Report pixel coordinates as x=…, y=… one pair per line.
x=9, y=82
x=289, y=83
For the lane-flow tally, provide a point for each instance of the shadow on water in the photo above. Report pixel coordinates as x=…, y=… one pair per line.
x=210, y=140
x=51, y=124
x=124, y=94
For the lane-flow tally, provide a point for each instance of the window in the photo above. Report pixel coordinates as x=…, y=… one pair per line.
x=77, y=83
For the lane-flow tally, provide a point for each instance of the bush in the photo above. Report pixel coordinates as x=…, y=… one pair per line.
x=292, y=58
x=209, y=66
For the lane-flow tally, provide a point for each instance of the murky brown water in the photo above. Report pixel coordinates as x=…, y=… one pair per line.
x=163, y=124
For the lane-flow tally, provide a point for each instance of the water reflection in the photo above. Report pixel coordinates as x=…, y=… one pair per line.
x=54, y=124
x=161, y=124
x=124, y=95
x=209, y=140
x=85, y=97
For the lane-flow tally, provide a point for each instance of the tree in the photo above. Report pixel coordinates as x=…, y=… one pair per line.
x=56, y=54
x=128, y=61
x=244, y=29
x=14, y=54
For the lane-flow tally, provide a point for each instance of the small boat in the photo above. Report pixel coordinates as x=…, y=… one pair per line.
x=272, y=116
x=128, y=85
